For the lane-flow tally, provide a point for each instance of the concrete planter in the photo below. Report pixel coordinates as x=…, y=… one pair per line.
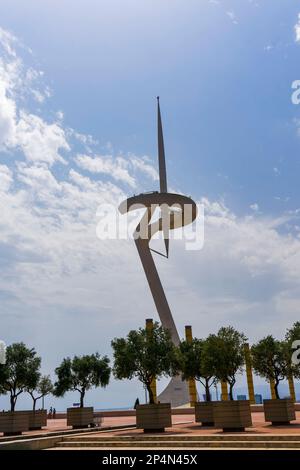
x=80, y=417
x=37, y=419
x=14, y=422
x=279, y=411
x=204, y=413
x=232, y=415
x=154, y=417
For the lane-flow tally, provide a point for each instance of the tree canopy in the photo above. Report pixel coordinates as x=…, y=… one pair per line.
x=292, y=338
x=146, y=355
x=195, y=363
x=20, y=372
x=225, y=353
x=271, y=360
x=80, y=374
x=42, y=388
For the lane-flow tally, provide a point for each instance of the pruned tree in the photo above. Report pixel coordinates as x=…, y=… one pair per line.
x=81, y=374
x=145, y=355
x=43, y=388
x=20, y=371
x=225, y=353
x=271, y=360
x=195, y=363
x=292, y=338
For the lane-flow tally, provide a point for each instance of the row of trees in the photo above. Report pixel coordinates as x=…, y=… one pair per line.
x=219, y=357
x=21, y=373
x=148, y=356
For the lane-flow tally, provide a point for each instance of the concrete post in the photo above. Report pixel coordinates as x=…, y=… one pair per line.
x=192, y=382
x=249, y=373
x=292, y=387
x=149, y=328
x=224, y=390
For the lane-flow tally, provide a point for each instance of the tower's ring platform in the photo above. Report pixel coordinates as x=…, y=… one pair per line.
x=171, y=200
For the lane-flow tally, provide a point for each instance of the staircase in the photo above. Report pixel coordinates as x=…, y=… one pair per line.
x=179, y=441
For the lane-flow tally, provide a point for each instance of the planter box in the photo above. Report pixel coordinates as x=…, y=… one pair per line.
x=204, y=413
x=232, y=415
x=80, y=417
x=13, y=422
x=37, y=419
x=153, y=418
x=279, y=411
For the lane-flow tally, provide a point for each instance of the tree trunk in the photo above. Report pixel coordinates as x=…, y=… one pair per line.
x=207, y=390
x=151, y=396
x=231, y=391
x=34, y=403
x=12, y=403
x=82, y=393
x=276, y=383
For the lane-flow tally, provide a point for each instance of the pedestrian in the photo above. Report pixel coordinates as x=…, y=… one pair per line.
x=54, y=413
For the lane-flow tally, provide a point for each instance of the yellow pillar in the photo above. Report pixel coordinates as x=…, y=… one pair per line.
x=249, y=373
x=272, y=387
x=292, y=387
x=192, y=382
x=224, y=391
x=149, y=327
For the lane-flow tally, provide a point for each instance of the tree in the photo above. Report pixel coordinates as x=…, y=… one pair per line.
x=80, y=374
x=195, y=363
x=271, y=360
x=225, y=353
x=21, y=371
x=145, y=355
x=293, y=335
x=43, y=388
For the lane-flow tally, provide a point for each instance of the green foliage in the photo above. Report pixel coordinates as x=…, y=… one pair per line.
x=20, y=372
x=225, y=355
x=145, y=355
x=271, y=360
x=292, y=335
x=195, y=363
x=80, y=374
x=43, y=388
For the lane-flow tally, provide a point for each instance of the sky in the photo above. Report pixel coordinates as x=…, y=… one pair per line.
x=78, y=129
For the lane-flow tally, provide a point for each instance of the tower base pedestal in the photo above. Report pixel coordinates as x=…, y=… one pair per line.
x=176, y=393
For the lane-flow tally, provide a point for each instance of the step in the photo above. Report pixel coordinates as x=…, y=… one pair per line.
x=167, y=438
x=183, y=444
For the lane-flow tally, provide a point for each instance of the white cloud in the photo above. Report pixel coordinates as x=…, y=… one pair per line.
x=40, y=141
x=297, y=30
x=8, y=40
x=86, y=139
x=116, y=168
x=232, y=16
x=254, y=207
x=6, y=178
x=143, y=165
x=7, y=118
x=60, y=115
